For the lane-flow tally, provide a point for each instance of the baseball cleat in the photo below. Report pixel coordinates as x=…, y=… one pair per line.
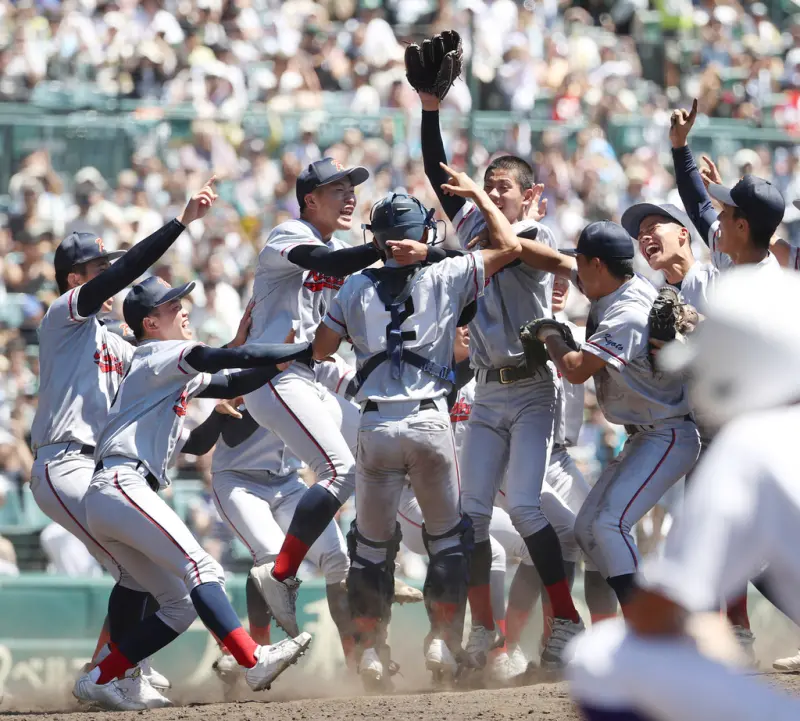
x=137, y=687
x=440, y=660
x=499, y=668
x=563, y=631
x=272, y=661
x=746, y=641
x=227, y=669
x=112, y=696
x=790, y=663
x=157, y=680
x=370, y=668
x=280, y=596
x=518, y=663
x=481, y=640
x=403, y=593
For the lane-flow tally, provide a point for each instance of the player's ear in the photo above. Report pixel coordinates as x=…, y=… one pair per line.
x=74, y=279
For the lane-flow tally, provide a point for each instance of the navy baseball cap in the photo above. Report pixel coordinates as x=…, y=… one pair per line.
x=758, y=199
x=604, y=240
x=632, y=218
x=325, y=171
x=79, y=248
x=146, y=296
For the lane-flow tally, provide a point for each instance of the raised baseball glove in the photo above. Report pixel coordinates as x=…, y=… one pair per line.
x=435, y=66
x=532, y=339
x=670, y=318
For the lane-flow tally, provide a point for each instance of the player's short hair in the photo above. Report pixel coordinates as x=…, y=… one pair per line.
x=620, y=268
x=758, y=237
x=521, y=171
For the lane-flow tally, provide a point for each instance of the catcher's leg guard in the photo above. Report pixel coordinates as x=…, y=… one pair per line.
x=445, y=588
x=370, y=583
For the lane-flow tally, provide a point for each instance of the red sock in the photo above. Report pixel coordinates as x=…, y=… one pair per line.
x=516, y=620
x=737, y=612
x=260, y=634
x=102, y=640
x=367, y=629
x=349, y=648
x=242, y=647
x=480, y=603
x=561, y=601
x=290, y=557
x=113, y=666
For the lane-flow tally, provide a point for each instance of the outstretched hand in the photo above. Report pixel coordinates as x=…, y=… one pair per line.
x=710, y=174
x=538, y=207
x=407, y=252
x=459, y=183
x=680, y=124
x=244, y=326
x=200, y=203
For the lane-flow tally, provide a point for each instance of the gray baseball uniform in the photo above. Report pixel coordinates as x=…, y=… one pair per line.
x=511, y=425
x=81, y=366
x=663, y=444
x=318, y=426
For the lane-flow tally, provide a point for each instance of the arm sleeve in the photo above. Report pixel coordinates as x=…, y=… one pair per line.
x=693, y=194
x=127, y=269
x=620, y=337
x=202, y=438
x=338, y=263
x=233, y=385
x=436, y=254
x=468, y=313
x=433, y=154
x=253, y=355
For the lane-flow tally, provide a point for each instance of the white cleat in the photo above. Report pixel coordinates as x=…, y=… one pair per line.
x=227, y=669
x=563, y=631
x=280, y=596
x=136, y=686
x=440, y=660
x=499, y=668
x=481, y=640
x=746, y=639
x=370, y=667
x=518, y=662
x=157, y=680
x=790, y=663
x=112, y=696
x=273, y=660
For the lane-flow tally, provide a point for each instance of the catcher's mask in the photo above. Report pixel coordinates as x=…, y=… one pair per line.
x=399, y=217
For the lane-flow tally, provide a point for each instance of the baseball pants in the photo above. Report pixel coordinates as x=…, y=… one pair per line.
x=510, y=432
x=60, y=479
x=319, y=427
x=259, y=512
x=651, y=462
x=149, y=540
x=615, y=674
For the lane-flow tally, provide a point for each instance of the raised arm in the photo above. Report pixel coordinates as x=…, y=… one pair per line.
x=144, y=254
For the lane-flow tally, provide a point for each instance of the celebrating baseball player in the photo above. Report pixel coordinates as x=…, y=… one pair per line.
x=124, y=512
x=742, y=510
x=663, y=442
x=300, y=268
x=82, y=364
x=510, y=431
x=402, y=322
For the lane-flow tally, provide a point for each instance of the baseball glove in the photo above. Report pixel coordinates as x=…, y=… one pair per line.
x=670, y=316
x=434, y=67
x=536, y=354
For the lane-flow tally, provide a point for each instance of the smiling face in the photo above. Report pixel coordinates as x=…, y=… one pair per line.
x=168, y=322
x=560, y=293
x=734, y=232
x=461, y=346
x=507, y=194
x=661, y=240
x=331, y=207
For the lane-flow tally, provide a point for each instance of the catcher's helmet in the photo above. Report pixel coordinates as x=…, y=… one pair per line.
x=398, y=217
x=743, y=356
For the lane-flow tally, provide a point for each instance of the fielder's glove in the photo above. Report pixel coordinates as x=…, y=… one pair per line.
x=670, y=318
x=533, y=334
x=434, y=67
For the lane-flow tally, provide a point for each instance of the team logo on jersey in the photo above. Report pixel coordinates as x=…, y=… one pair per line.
x=107, y=361
x=317, y=282
x=607, y=339
x=460, y=411
x=181, y=404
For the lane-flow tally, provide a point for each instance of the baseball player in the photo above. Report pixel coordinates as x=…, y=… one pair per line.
x=402, y=323
x=300, y=268
x=511, y=427
x=663, y=442
x=124, y=512
x=742, y=510
x=81, y=366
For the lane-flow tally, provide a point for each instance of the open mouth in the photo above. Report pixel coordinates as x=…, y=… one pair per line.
x=347, y=211
x=651, y=249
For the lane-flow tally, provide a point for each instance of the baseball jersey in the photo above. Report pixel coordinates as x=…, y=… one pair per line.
x=628, y=390
x=512, y=297
x=287, y=296
x=145, y=422
x=696, y=284
x=82, y=364
x=335, y=375
x=439, y=294
x=570, y=401
x=460, y=412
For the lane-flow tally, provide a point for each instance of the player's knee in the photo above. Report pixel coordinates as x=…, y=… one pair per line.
x=498, y=555
x=570, y=550
x=527, y=519
x=582, y=530
x=204, y=570
x=177, y=612
x=480, y=524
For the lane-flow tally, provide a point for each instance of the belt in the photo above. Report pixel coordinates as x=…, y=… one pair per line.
x=140, y=468
x=632, y=428
x=507, y=375
x=82, y=448
x=425, y=405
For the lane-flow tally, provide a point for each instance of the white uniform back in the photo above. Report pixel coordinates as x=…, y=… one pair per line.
x=287, y=296
x=628, y=391
x=262, y=452
x=570, y=401
x=146, y=419
x=511, y=298
x=440, y=293
x=82, y=364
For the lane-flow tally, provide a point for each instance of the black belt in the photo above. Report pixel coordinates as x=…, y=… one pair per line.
x=509, y=374
x=83, y=449
x=425, y=405
x=152, y=481
x=632, y=428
